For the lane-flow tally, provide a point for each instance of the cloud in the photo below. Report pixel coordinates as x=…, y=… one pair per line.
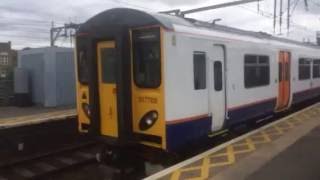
x=27, y=22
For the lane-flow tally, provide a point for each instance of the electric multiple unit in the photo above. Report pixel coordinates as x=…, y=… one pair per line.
x=164, y=81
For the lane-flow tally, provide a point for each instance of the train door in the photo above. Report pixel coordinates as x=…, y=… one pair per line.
x=284, y=80
x=106, y=54
x=216, y=78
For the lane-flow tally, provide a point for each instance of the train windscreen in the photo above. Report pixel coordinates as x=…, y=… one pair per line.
x=146, y=57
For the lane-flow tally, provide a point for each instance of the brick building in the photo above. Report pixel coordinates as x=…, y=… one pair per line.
x=8, y=61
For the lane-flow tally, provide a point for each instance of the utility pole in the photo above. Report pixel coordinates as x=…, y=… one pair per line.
x=306, y=5
x=288, y=17
x=275, y=16
x=280, y=15
x=55, y=32
x=51, y=34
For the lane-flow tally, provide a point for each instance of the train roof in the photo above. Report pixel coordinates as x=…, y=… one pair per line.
x=169, y=20
x=137, y=17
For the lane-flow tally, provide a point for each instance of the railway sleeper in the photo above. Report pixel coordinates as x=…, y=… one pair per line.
x=123, y=162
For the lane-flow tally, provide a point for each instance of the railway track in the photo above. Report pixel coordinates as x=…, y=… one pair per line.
x=43, y=165
x=69, y=160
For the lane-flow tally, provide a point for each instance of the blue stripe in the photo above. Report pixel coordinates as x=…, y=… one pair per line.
x=249, y=112
x=305, y=95
x=180, y=134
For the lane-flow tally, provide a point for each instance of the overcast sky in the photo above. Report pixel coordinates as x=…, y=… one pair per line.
x=27, y=22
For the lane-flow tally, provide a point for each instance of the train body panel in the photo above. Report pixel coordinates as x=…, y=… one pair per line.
x=180, y=79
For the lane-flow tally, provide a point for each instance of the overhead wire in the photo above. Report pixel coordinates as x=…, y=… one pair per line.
x=43, y=26
x=270, y=16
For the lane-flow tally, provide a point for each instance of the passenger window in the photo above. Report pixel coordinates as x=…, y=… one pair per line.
x=316, y=68
x=304, y=69
x=217, y=75
x=256, y=71
x=199, y=70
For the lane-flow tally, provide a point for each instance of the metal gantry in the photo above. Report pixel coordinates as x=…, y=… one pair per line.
x=63, y=31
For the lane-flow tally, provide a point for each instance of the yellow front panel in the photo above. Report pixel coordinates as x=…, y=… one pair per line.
x=145, y=100
x=107, y=94
x=82, y=98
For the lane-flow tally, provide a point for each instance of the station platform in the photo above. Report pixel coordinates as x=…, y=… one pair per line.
x=35, y=130
x=11, y=117
x=288, y=148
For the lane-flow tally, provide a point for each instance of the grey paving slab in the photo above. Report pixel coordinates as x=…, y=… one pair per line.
x=301, y=161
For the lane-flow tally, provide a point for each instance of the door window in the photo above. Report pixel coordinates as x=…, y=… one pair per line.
x=217, y=67
x=108, y=65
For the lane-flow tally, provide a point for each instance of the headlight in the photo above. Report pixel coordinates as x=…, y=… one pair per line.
x=148, y=120
x=86, y=109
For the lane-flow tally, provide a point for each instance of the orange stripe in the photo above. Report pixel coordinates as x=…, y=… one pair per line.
x=193, y=118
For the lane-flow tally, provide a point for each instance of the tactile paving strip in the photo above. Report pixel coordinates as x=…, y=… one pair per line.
x=211, y=164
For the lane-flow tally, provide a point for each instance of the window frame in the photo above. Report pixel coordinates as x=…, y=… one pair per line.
x=257, y=62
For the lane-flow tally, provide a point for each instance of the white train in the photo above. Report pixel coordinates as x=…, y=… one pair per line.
x=164, y=81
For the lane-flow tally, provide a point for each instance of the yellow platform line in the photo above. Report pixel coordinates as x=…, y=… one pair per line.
x=275, y=128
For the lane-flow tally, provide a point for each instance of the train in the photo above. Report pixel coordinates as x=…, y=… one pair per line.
x=162, y=81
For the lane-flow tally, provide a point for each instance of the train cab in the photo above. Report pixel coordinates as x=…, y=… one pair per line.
x=120, y=87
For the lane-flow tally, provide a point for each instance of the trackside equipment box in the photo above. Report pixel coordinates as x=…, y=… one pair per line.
x=51, y=75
